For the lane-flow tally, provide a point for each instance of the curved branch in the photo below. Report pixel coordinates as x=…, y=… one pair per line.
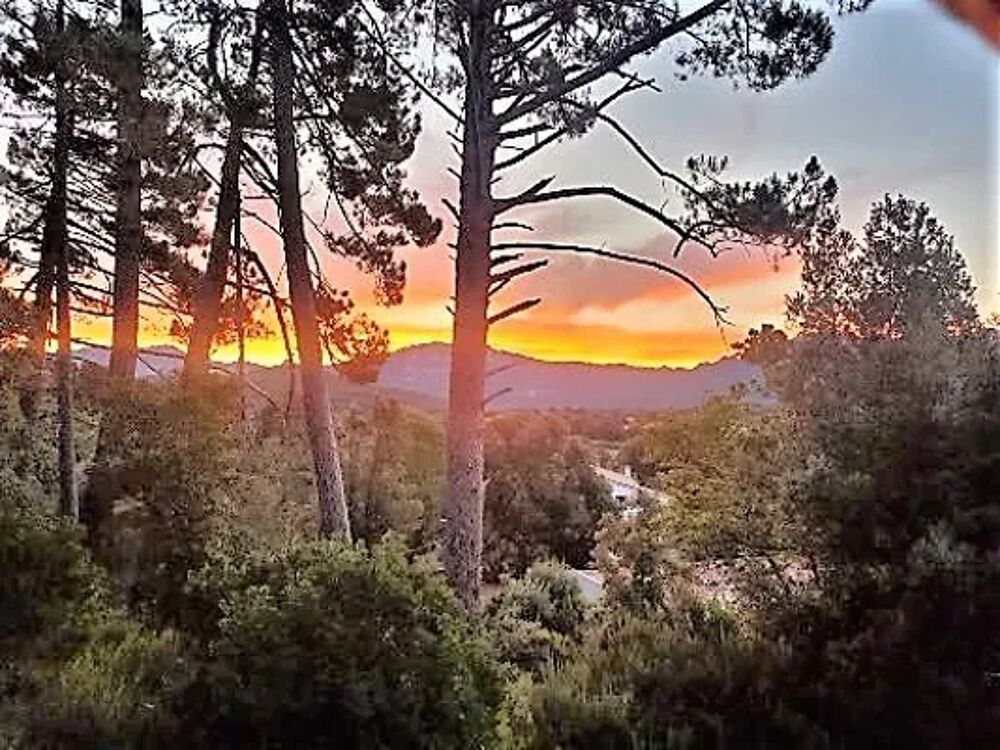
x=650, y=161
x=718, y=311
x=282, y=323
x=529, y=198
x=632, y=84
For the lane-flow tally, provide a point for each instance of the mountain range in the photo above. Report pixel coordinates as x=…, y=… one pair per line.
x=418, y=375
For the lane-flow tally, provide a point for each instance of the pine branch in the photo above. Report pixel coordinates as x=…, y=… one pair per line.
x=534, y=198
x=633, y=83
x=623, y=56
x=717, y=311
x=513, y=310
x=424, y=89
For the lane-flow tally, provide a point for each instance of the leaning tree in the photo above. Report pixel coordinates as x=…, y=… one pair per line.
x=532, y=73
x=313, y=80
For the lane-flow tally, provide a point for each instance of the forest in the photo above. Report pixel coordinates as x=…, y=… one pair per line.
x=203, y=559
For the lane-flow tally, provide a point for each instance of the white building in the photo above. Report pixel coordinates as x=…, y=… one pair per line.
x=626, y=490
x=591, y=583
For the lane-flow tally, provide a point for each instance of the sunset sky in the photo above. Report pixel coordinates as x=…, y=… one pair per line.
x=907, y=102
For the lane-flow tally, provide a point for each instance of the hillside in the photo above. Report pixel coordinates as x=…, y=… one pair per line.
x=418, y=375
x=535, y=384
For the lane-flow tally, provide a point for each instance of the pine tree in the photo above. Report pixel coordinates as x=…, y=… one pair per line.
x=525, y=74
x=338, y=103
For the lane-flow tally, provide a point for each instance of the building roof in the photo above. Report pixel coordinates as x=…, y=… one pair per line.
x=627, y=480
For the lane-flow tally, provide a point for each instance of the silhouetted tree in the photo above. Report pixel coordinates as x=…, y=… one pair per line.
x=57, y=239
x=241, y=103
x=526, y=74
x=350, y=111
x=128, y=201
x=903, y=273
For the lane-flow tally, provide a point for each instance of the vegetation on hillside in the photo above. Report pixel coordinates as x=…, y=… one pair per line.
x=181, y=565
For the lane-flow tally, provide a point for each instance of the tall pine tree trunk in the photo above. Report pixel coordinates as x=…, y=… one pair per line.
x=96, y=509
x=212, y=286
x=316, y=400
x=128, y=213
x=41, y=319
x=59, y=232
x=463, y=548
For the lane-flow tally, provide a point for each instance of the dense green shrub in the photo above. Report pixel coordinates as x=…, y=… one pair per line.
x=163, y=464
x=116, y=691
x=537, y=619
x=688, y=678
x=543, y=499
x=333, y=646
x=76, y=670
x=47, y=585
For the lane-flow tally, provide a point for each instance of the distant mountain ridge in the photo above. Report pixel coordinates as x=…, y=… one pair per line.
x=419, y=375
x=536, y=384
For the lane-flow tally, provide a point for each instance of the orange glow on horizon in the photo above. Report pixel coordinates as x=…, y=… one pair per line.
x=552, y=342
x=642, y=319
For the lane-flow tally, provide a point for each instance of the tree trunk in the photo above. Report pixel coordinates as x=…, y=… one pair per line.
x=316, y=399
x=128, y=213
x=41, y=319
x=42, y=305
x=241, y=333
x=463, y=547
x=212, y=286
x=68, y=500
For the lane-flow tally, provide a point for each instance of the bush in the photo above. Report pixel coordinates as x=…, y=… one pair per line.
x=163, y=463
x=117, y=691
x=688, y=678
x=543, y=499
x=536, y=619
x=76, y=671
x=333, y=646
x=48, y=587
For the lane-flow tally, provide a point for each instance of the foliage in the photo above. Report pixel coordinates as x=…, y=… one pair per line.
x=688, y=677
x=117, y=691
x=543, y=500
x=716, y=465
x=76, y=42
x=903, y=274
x=393, y=467
x=538, y=618
x=76, y=670
x=326, y=645
x=899, y=505
x=874, y=475
x=167, y=465
x=47, y=584
x=14, y=315
x=893, y=384
x=355, y=344
x=27, y=462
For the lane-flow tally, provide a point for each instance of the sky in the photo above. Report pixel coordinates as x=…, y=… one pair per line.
x=907, y=102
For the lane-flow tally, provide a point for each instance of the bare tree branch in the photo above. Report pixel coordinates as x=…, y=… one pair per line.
x=500, y=280
x=503, y=204
x=497, y=394
x=513, y=310
x=717, y=311
x=632, y=84
x=533, y=198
